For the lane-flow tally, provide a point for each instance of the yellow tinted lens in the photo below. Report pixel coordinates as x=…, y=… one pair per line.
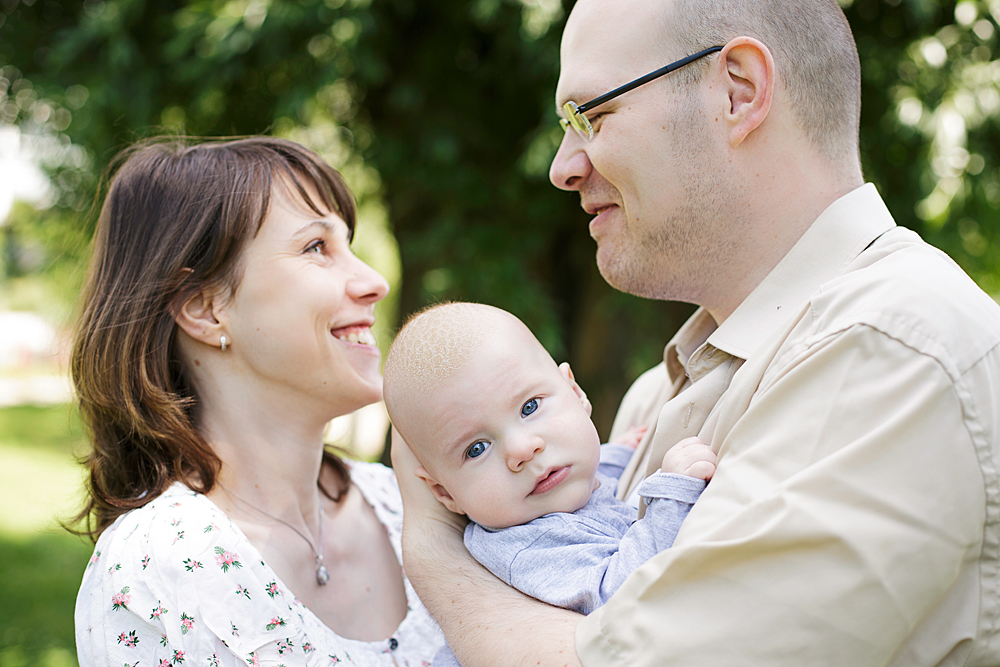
x=578, y=121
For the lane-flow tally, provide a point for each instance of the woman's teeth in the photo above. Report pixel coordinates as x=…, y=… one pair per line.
x=359, y=337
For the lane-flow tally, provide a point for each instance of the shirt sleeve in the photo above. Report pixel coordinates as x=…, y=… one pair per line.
x=578, y=562
x=445, y=657
x=823, y=538
x=669, y=498
x=614, y=458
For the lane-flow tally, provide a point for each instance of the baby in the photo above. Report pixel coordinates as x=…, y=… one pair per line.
x=504, y=436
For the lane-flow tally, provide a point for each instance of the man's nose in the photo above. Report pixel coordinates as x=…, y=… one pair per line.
x=571, y=165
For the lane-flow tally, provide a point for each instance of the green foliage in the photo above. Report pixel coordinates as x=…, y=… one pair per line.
x=43, y=253
x=440, y=114
x=930, y=129
x=441, y=117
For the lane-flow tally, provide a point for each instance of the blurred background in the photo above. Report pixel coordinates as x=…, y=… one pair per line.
x=440, y=114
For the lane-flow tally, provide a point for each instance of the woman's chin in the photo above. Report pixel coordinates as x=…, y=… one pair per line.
x=366, y=389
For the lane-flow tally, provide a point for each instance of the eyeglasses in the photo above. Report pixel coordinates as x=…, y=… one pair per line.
x=574, y=114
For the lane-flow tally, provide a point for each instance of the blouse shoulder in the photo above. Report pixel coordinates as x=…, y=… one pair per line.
x=378, y=484
x=182, y=566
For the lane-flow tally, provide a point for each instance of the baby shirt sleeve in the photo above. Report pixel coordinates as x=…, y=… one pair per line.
x=578, y=561
x=614, y=458
x=669, y=498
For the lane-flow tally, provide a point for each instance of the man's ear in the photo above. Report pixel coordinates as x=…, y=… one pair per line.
x=200, y=317
x=568, y=374
x=439, y=491
x=749, y=79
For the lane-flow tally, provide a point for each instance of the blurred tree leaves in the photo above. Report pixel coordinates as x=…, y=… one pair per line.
x=441, y=116
x=930, y=131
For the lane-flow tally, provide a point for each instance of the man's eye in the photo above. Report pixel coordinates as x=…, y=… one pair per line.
x=529, y=407
x=477, y=449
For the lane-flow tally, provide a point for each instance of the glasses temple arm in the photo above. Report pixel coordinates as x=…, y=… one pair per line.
x=645, y=79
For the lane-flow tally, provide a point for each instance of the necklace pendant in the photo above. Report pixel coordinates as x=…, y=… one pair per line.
x=322, y=576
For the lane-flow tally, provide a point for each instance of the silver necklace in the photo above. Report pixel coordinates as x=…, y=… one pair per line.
x=322, y=576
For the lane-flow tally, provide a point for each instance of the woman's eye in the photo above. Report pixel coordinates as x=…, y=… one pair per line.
x=529, y=407
x=319, y=245
x=477, y=449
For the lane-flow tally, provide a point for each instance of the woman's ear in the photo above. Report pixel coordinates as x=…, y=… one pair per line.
x=200, y=318
x=439, y=491
x=749, y=79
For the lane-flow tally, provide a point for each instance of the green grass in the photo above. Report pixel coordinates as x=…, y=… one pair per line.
x=40, y=482
x=37, y=593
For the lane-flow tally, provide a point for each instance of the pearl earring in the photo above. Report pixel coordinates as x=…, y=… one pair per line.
x=223, y=342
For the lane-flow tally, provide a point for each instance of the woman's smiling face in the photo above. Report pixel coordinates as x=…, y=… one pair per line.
x=300, y=319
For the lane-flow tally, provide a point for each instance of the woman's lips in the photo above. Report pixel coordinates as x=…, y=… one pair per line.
x=550, y=480
x=355, y=334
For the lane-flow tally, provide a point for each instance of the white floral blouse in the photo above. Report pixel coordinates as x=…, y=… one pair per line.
x=176, y=583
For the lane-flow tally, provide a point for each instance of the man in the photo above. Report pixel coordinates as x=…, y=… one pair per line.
x=847, y=374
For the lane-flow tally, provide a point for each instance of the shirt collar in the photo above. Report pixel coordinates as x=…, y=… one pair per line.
x=686, y=341
x=834, y=240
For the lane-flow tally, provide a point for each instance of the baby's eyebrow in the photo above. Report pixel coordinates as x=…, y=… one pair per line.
x=449, y=450
x=459, y=445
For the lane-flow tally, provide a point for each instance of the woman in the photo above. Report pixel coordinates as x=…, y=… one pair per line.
x=225, y=322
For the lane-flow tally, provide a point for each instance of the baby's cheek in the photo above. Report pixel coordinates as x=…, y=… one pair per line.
x=490, y=505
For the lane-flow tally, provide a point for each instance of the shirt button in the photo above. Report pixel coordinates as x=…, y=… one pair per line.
x=393, y=644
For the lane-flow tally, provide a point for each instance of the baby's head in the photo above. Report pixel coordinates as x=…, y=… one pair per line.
x=502, y=433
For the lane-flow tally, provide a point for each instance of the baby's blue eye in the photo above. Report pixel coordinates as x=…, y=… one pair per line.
x=477, y=449
x=529, y=407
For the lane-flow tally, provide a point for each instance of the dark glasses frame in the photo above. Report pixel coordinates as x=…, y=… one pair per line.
x=574, y=113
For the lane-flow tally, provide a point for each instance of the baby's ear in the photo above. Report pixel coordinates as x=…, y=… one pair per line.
x=568, y=374
x=439, y=491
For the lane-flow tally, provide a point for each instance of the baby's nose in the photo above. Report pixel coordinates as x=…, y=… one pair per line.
x=523, y=449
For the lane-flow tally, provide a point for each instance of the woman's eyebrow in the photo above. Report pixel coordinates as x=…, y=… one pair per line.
x=326, y=225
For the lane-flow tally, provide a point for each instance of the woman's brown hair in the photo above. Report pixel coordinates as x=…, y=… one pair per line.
x=175, y=221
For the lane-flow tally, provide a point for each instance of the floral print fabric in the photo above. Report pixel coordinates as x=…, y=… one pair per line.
x=176, y=583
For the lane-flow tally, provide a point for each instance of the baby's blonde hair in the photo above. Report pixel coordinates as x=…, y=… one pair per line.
x=433, y=345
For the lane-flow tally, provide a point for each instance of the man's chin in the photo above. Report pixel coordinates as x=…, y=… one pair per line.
x=626, y=277
x=614, y=271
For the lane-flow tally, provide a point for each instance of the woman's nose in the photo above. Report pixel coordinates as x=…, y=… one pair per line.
x=521, y=449
x=571, y=165
x=367, y=284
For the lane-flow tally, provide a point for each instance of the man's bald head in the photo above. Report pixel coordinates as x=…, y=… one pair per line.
x=810, y=40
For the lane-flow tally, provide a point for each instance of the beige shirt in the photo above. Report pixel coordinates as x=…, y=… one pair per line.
x=854, y=518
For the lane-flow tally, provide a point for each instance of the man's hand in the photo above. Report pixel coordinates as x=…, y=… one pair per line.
x=632, y=437
x=690, y=457
x=417, y=498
